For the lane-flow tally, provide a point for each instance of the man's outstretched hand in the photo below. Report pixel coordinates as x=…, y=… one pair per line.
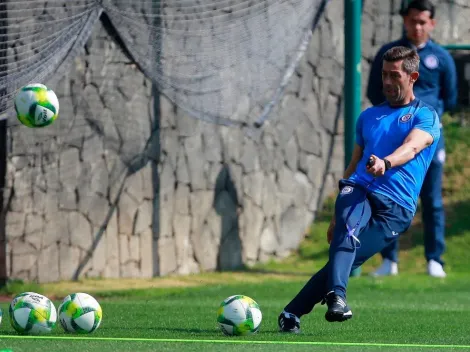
x=376, y=166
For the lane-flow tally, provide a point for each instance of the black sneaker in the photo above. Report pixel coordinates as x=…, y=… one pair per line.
x=338, y=309
x=288, y=322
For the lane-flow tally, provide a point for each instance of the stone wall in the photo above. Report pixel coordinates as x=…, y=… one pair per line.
x=81, y=192
x=110, y=190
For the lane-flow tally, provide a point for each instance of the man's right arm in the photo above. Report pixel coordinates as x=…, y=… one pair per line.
x=374, y=86
x=355, y=158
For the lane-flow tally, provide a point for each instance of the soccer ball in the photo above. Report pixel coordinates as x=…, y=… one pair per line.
x=32, y=313
x=239, y=315
x=36, y=105
x=80, y=312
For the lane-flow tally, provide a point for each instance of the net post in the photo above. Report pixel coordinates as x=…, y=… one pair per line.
x=3, y=145
x=352, y=73
x=352, y=79
x=156, y=42
x=456, y=46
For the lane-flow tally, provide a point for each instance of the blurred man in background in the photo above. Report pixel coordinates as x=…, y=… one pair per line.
x=437, y=86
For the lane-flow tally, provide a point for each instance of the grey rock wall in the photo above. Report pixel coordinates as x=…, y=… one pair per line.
x=236, y=200
x=104, y=192
x=80, y=194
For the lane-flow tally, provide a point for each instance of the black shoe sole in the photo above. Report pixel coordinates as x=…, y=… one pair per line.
x=336, y=316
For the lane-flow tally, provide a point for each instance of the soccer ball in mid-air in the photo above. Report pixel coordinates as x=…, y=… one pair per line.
x=239, y=315
x=36, y=105
x=80, y=312
x=32, y=313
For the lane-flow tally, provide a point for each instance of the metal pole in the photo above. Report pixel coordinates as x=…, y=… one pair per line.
x=352, y=79
x=156, y=42
x=352, y=73
x=456, y=46
x=3, y=143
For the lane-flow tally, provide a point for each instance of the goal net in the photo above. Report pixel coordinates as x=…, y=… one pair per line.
x=224, y=61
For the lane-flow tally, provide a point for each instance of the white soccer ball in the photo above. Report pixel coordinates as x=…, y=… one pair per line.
x=80, y=312
x=36, y=105
x=32, y=313
x=239, y=315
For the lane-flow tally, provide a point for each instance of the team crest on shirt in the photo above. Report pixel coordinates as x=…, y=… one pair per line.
x=405, y=118
x=346, y=190
x=431, y=61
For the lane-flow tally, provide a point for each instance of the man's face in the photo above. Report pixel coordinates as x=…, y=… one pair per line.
x=418, y=25
x=397, y=84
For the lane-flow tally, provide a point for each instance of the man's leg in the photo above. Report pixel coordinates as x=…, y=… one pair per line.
x=312, y=293
x=344, y=254
x=386, y=223
x=390, y=252
x=344, y=257
x=343, y=247
x=373, y=239
x=434, y=216
x=390, y=260
x=351, y=206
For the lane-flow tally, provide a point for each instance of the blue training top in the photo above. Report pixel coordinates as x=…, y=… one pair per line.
x=437, y=82
x=380, y=130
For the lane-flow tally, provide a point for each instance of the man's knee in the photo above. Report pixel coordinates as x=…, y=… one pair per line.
x=342, y=241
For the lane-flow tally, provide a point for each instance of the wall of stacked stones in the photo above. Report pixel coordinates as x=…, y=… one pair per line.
x=128, y=185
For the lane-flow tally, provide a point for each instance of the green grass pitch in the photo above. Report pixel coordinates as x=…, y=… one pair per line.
x=405, y=313
x=408, y=313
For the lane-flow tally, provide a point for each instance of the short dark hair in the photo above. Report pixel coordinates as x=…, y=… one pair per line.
x=409, y=56
x=420, y=5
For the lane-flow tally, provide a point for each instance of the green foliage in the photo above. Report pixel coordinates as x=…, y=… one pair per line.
x=14, y=287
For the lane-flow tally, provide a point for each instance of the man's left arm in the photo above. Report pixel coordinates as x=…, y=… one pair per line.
x=424, y=133
x=449, y=83
x=414, y=143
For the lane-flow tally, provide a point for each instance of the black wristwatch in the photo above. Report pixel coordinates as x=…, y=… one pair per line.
x=388, y=165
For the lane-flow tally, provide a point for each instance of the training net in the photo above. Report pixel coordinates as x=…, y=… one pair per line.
x=224, y=61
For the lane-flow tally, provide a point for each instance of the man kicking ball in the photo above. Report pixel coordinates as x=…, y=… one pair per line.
x=395, y=143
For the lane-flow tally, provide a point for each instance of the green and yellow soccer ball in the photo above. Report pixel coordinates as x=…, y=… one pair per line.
x=239, y=315
x=32, y=313
x=36, y=105
x=80, y=313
